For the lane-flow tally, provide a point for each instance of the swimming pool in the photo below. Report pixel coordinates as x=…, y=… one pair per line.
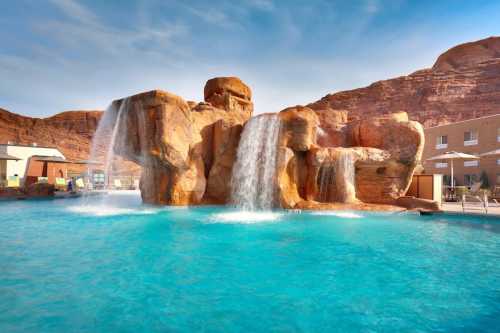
x=71, y=265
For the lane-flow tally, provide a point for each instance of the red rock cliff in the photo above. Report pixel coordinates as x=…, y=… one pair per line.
x=464, y=83
x=69, y=131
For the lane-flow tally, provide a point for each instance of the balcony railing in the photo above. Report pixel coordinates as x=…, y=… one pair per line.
x=470, y=142
x=471, y=163
x=441, y=165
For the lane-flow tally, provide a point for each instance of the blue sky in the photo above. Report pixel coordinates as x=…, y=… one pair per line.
x=80, y=54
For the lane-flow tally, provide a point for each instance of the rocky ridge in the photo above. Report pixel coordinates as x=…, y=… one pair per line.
x=464, y=76
x=70, y=131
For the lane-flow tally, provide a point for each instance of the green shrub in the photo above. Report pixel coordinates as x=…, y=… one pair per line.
x=485, y=182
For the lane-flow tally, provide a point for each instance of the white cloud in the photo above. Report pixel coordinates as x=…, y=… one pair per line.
x=210, y=15
x=266, y=5
x=84, y=29
x=75, y=11
x=90, y=62
x=371, y=6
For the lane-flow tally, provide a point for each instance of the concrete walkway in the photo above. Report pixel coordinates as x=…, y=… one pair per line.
x=456, y=207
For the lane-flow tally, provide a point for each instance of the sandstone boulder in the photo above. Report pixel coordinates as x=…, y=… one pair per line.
x=385, y=181
x=291, y=174
x=229, y=93
x=225, y=146
x=374, y=165
x=186, y=150
x=333, y=172
x=420, y=204
x=331, y=130
x=298, y=128
x=155, y=129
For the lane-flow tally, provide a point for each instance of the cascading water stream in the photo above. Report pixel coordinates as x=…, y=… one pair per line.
x=106, y=138
x=326, y=181
x=336, y=179
x=345, y=176
x=110, y=154
x=253, y=176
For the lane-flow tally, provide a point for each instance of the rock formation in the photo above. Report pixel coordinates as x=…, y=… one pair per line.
x=186, y=151
x=370, y=160
x=465, y=75
x=71, y=131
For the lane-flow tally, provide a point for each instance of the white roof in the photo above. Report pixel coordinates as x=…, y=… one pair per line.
x=491, y=153
x=453, y=155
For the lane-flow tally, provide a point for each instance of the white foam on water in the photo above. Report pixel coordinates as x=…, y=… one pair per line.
x=245, y=217
x=99, y=210
x=124, y=192
x=346, y=215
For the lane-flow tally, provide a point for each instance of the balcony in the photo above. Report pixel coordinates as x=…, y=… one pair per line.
x=470, y=142
x=441, y=165
x=471, y=163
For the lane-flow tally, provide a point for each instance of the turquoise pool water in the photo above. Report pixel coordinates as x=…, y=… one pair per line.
x=119, y=266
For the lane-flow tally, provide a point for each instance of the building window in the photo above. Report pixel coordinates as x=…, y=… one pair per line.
x=99, y=178
x=442, y=142
x=498, y=134
x=470, y=179
x=470, y=138
x=441, y=165
x=498, y=161
x=473, y=163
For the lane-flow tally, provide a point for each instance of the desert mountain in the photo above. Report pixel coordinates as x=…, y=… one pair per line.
x=69, y=131
x=464, y=83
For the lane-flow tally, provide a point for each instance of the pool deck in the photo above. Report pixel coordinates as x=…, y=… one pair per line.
x=456, y=207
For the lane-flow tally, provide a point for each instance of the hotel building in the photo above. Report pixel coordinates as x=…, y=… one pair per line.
x=475, y=137
x=28, y=162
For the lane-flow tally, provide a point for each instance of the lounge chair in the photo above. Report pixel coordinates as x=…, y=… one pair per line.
x=117, y=184
x=474, y=202
x=475, y=188
x=44, y=180
x=79, y=183
x=13, y=181
x=495, y=196
x=60, y=183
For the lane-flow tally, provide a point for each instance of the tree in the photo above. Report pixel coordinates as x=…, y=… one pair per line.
x=485, y=182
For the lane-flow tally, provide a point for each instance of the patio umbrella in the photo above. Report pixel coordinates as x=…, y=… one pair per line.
x=491, y=153
x=451, y=156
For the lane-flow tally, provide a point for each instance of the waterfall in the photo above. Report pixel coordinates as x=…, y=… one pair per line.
x=345, y=176
x=106, y=138
x=326, y=177
x=336, y=178
x=110, y=154
x=253, y=176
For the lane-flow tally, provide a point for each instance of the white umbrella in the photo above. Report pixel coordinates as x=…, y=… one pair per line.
x=453, y=155
x=491, y=153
